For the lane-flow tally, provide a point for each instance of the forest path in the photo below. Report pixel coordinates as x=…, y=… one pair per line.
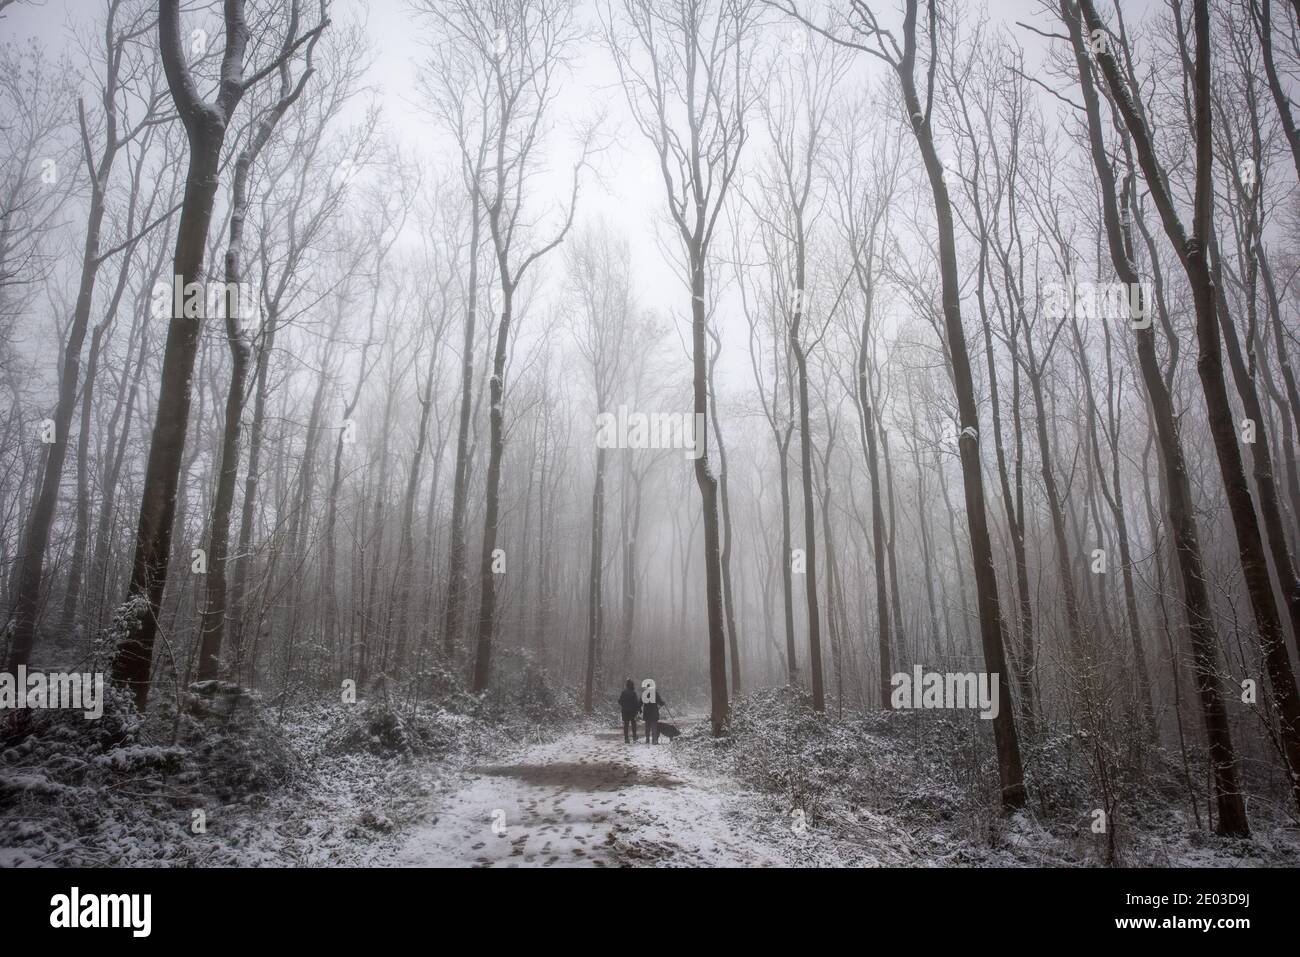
x=589, y=800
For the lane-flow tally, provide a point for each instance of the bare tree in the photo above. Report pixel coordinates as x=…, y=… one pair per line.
x=517, y=48
x=121, y=61
x=868, y=36
x=1193, y=251
x=214, y=612
x=796, y=118
x=206, y=122
x=862, y=193
x=684, y=68
x=766, y=328
x=599, y=274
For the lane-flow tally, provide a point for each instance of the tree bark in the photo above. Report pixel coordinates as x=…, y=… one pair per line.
x=1186, y=538
x=1007, y=741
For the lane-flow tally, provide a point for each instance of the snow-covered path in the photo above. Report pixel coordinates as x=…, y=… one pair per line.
x=588, y=799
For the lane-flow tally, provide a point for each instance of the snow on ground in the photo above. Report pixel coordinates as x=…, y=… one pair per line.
x=330, y=785
x=590, y=800
x=916, y=790
x=471, y=785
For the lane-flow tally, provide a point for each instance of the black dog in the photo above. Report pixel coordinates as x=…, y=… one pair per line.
x=669, y=731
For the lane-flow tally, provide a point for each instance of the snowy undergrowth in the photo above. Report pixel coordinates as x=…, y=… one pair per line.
x=917, y=789
x=321, y=783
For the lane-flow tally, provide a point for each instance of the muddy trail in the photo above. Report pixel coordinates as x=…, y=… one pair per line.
x=590, y=800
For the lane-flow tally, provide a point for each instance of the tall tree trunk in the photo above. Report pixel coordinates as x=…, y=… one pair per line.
x=252, y=479
x=119, y=434
x=923, y=521
x=1186, y=538
x=708, y=485
x=453, y=608
x=867, y=430
x=492, y=509
x=1007, y=742
x=631, y=535
x=594, y=581
x=1261, y=454
x=374, y=550
x=809, y=512
x=205, y=127
x=1193, y=251
x=406, y=546
x=733, y=640
x=167, y=446
x=30, y=561
x=1112, y=492
x=1081, y=643
x=214, y=613
x=1262, y=17
x=77, y=564
x=894, y=596
x=787, y=579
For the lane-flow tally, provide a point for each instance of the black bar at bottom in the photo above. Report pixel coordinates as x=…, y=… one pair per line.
x=333, y=907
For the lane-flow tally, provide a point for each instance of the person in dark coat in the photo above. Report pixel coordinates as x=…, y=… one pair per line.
x=650, y=711
x=629, y=703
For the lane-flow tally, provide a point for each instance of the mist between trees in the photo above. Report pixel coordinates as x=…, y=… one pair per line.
x=978, y=327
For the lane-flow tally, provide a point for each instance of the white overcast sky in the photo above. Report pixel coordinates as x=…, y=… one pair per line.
x=629, y=195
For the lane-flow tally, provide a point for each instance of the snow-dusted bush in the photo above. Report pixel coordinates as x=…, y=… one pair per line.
x=36, y=737
x=521, y=700
x=522, y=688
x=382, y=729
x=920, y=788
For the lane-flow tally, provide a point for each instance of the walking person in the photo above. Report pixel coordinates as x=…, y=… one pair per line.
x=652, y=700
x=629, y=702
